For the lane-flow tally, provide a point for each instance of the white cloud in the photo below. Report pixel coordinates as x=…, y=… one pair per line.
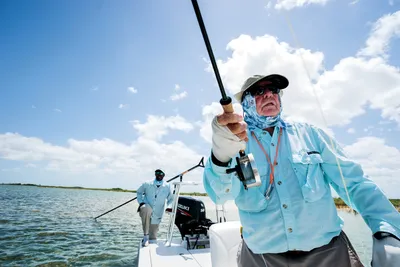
x=290, y=4
x=341, y=96
x=132, y=90
x=175, y=97
x=136, y=160
x=354, y=2
x=31, y=165
x=17, y=147
x=351, y=130
x=177, y=87
x=158, y=126
x=383, y=30
x=208, y=112
x=123, y=106
x=379, y=161
x=57, y=110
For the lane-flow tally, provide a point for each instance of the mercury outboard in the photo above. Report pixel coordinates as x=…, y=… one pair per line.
x=192, y=222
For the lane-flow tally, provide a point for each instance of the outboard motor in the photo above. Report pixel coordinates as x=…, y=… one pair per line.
x=192, y=222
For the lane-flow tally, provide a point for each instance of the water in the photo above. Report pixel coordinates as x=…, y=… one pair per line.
x=55, y=227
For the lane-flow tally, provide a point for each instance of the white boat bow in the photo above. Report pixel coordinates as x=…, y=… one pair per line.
x=202, y=243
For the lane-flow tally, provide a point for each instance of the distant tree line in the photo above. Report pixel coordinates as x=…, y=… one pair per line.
x=338, y=201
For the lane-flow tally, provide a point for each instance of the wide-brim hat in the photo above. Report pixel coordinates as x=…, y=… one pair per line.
x=277, y=80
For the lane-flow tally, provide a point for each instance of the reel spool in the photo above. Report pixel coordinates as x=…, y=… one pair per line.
x=246, y=170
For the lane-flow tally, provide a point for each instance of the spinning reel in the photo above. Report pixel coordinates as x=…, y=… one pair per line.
x=246, y=170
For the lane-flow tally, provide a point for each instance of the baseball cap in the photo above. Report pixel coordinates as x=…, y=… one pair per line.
x=277, y=80
x=159, y=172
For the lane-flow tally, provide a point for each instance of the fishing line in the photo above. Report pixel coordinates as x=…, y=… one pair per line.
x=297, y=43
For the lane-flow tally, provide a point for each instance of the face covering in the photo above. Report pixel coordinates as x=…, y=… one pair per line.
x=159, y=178
x=255, y=120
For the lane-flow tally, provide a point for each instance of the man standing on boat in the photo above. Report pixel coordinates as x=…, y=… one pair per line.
x=291, y=219
x=151, y=197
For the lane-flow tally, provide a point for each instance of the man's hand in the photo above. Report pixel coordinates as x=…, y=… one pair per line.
x=141, y=205
x=235, y=123
x=229, y=136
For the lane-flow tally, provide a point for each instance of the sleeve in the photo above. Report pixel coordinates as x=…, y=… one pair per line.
x=140, y=192
x=217, y=183
x=364, y=195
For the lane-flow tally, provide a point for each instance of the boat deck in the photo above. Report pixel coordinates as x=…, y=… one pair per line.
x=157, y=255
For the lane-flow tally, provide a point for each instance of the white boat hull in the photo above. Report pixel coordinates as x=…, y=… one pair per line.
x=212, y=245
x=175, y=255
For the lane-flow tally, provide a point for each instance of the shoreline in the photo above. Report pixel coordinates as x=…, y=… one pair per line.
x=340, y=204
x=117, y=189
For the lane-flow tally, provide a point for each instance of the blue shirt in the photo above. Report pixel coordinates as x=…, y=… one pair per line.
x=154, y=196
x=301, y=213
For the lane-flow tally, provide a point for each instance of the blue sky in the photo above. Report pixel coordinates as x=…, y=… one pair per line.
x=66, y=69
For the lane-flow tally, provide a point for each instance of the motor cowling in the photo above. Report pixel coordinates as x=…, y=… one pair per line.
x=191, y=217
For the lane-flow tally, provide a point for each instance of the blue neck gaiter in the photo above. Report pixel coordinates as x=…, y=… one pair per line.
x=158, y=183
x=255, y=120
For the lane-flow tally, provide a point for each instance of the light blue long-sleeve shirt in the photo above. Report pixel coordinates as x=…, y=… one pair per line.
x=154, y=196
x=301, y=213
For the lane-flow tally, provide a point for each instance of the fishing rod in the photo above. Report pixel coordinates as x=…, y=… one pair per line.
x=200, y=164
x=245, y=169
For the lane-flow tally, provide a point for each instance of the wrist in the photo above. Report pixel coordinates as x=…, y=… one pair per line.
x=219, y=163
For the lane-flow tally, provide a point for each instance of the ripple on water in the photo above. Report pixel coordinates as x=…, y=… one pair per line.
x=53, y=264
x=64, y=232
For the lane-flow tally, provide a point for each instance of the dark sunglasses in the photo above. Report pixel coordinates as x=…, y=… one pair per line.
x=160, y=173
x=260, y=90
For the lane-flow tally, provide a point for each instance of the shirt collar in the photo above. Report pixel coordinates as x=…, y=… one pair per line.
x=260, y=133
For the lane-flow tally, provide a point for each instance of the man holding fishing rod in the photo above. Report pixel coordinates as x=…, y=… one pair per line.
x=151, y=197
x=291, y=220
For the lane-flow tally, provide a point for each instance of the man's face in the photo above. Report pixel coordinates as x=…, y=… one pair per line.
x=267, y=99
x=159, y=175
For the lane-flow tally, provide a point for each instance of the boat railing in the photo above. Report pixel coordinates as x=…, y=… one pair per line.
x=221, y=215
x=172, y=216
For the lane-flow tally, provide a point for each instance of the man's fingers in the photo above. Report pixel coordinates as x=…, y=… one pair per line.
x=235, y=123
x=227, y=118
x=243, y=136
x=237, y=128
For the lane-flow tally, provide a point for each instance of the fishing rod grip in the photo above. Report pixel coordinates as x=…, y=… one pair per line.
x=226, y=104
x=228, y=108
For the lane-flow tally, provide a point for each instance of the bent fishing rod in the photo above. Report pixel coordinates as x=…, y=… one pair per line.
x=246, y=169
x=200, y=164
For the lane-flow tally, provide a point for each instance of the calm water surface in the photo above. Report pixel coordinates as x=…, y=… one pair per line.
x=55, y=227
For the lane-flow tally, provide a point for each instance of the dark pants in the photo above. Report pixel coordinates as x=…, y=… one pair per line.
x=338, y=253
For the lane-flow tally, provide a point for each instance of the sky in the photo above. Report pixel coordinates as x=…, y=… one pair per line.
x=102, y=93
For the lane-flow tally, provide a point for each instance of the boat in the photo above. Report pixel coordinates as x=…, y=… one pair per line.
x=201, y=242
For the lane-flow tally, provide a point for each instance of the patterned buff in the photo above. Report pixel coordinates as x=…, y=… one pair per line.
x=254, y=120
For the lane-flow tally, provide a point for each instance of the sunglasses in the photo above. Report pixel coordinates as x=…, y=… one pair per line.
x=160, y=173
x=260, y=90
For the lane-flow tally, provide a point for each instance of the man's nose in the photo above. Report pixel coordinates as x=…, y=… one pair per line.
x=268, y=94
